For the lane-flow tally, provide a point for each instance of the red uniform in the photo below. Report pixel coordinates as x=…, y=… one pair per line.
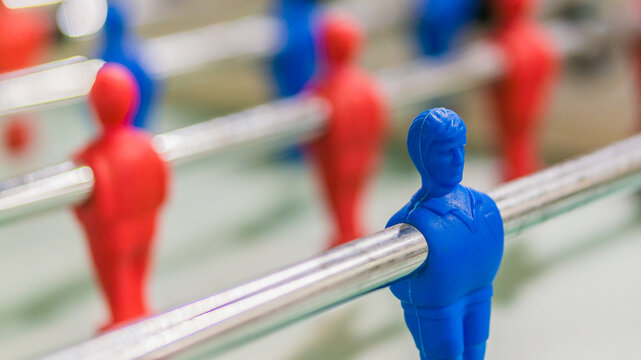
x=131, y=183
x=346, y=155
x=24, y=35
x=520, y=98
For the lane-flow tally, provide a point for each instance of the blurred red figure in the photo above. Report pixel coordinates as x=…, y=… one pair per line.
x=520, y=98
x=24, y=35
x=18, y=134
x=347, y=154
x=131, y=182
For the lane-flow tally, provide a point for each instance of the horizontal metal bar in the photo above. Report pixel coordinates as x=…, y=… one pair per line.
x=283, y=122
x=257, y=36
x=287, y=121
x=313, y=284
x=45, y=87
x=46, y=189
x=476, y=65
x=536, y=198
x=249, y=37
x=231, y=317
x=252, y=36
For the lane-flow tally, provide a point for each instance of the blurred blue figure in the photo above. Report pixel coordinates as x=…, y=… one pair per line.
x=447, y=300
x=440, y=22
x=295, y=61
x=122, y=47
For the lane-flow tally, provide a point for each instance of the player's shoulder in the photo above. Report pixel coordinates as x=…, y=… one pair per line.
x=482, y=201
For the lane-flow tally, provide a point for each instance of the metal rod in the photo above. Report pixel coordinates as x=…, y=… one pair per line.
x=48, y=87
x=250, y=310
x=559, y=189
x=165, y=58
x=46, y=189
x=283, y=122
x=250, y=37
x=288, y=121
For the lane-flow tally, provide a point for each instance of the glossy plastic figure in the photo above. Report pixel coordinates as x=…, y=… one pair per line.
x=295, y=62
x=447, y=300
x=346, y=155
x=440, y=22
x=120, y=46
x=24, y=37
x=131, y=183
x=520, y=98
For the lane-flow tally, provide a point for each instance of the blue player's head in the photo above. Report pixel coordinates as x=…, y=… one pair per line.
x=436, y=144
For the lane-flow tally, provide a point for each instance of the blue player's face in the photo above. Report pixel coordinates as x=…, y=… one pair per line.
x=445, y=162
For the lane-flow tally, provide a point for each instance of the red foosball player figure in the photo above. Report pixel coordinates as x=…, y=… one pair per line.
x=131, y=182
x=521, y=96
x=24, y=35
x=346, y=155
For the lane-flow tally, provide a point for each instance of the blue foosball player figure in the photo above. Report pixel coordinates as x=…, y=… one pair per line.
x=120, y=46
x=295, y=61
x=447, y=300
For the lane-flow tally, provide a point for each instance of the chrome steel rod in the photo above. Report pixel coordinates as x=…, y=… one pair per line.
x=228, y=318
x=283, y=122
x=249, y=37
x=536, y=198
x=308, y=286
x=46, y=189
x=292, y=120
x=48, y=87
x=473, y=66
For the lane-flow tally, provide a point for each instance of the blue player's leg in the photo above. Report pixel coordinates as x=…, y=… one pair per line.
x=436, y=339
x=476, y=328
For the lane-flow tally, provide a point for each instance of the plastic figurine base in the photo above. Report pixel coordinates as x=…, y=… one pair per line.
x=447, y=300
x=295, y=62
x=130, y=187
x=120, y=46
x=440, y=22
x=521, y=97
x=347, y=154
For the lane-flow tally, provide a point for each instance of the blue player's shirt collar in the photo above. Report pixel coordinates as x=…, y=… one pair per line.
x=442, y=207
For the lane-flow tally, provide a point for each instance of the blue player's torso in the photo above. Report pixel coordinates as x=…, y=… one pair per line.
x=465, y=245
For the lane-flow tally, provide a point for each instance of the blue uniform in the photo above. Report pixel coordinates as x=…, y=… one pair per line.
x=120, y=47
x=440, y=22
x=295, y=62
x=447, y=300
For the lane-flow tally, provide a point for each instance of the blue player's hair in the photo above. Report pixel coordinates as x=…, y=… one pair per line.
x=432, y=126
